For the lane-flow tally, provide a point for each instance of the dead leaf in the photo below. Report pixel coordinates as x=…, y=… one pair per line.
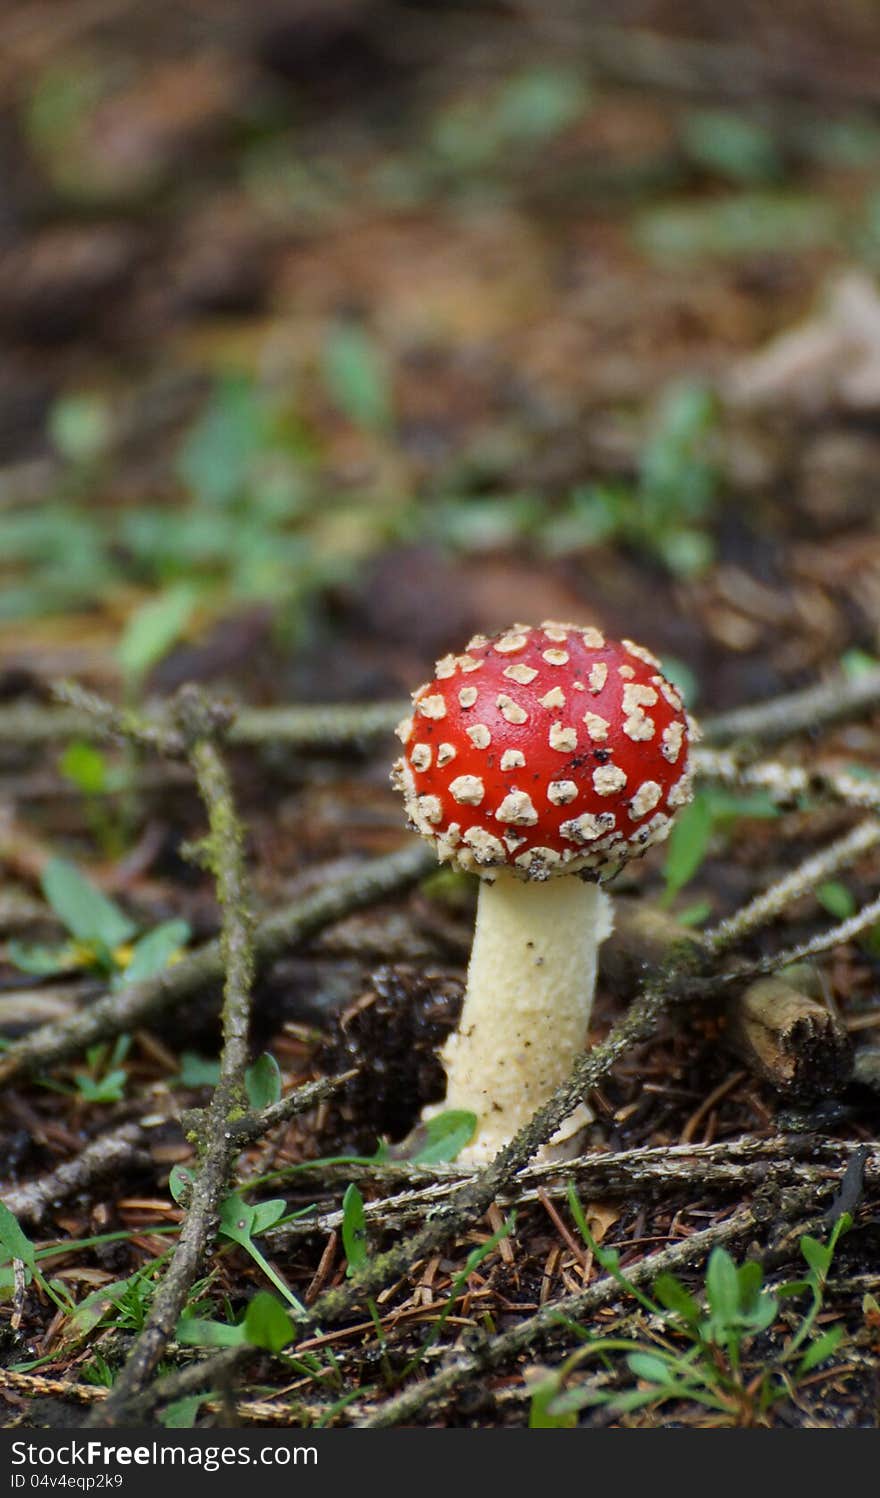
x=600, y=1217
x=831, y=359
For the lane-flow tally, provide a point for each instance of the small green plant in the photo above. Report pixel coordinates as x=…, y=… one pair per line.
x=88, y=769
x=102, y=938
x=356, y=376
x=700, y=1349
x=446, y=1135
x=357, y=1253
x=19, y=1258
x=106, y=1077
x=181, y=1413
x=265, y=1324
x=241, y=1223
x=263, y=1082
x=97, y=1371
x=667, y=511
x=713, y=810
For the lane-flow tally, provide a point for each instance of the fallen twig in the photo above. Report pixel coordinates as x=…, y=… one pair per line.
x=802, y=880
x=225, y=855
x=312, y=729
x=109, y=1152
x=786, y=783
x=82, y=715
x=797, y=712
x=787, y=1160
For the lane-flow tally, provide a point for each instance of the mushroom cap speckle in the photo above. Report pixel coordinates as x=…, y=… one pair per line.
x=546, y=750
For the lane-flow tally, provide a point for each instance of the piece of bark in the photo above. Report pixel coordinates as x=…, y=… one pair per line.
x=785, y=1036
x=643, y=937
x=790, y=1040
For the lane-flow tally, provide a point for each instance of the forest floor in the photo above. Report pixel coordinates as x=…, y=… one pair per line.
x=333, y=335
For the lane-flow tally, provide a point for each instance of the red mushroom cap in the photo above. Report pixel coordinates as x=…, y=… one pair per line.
x=547, y=750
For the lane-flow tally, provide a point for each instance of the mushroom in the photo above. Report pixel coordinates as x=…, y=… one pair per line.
x=538, y=753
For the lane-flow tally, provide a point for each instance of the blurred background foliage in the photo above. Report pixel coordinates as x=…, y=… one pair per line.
x=371, y=322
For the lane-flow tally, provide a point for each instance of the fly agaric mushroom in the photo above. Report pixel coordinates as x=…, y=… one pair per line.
x=538, y=753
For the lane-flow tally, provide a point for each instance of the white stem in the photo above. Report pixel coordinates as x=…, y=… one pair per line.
x=527, y=1008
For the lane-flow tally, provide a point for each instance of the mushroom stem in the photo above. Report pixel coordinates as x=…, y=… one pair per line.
x=527, y=1007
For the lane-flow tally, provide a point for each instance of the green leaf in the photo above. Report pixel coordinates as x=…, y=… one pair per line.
x=541, y=1416
x=633, y=1399
x=858, y=663
x=536, y=105
x=39, y=961
x=817, y=1255
x=236, y=1220
x=696, y=914
x=107, y=1089
x=13, y=1241
x=218, y=456
x=671, y=1293
x=192, y=1331
x=687, y=552
x=729, y=806
x=267, y=1324
x=80, y=427
x=356, y=376
x=688, y=843
x=834, y=896
x=152, y=954
x=648, y=1366
x=448, y=1133
x=153, y=629
x=266, y=1214
x=180, y=1183
x=763, y=1313
x=682, y=677
x=354, y=1229
x=739, y=224
x=791, y=1288
x=722, y=1288
x=85, y=766
x=731, y=145
x=750, y=1277
x=97, y=1304
x=198, y=1071
x=841, y=1226
x=181, y=1414
x=822, y=1348
x=263, y=1082
x=86, y=913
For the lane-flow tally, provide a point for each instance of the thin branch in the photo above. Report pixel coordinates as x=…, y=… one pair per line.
x=211, y=1370
x=129, y=1145
x=797, y=712
x=109, y=1153
x=802, y=880
x=499, y=1350
x=834, y=936
x=225, y=849
x=255, y=1125
x=83, y=715
x=785, y=783
x=314, y=729
x=787, y=1160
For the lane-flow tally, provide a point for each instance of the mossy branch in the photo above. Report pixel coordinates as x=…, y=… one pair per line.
x=225, y=850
